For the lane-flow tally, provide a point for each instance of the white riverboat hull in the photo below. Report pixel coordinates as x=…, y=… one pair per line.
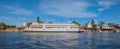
x=53, y=28
x=56, y=31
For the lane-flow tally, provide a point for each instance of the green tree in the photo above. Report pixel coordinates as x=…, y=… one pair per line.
x=101, y=23
x=40, y=22
x=29, y=23
x=2, y=25
x=111, y=24
x=50, y=22
x=75, y=22
x=11, y=26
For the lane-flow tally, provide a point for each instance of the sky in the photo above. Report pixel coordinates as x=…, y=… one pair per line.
x=16, y=12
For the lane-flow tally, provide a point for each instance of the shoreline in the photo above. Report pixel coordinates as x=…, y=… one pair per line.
x=52, y=32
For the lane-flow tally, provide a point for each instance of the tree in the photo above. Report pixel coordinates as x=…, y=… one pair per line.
x=2, y=25
x=40, y=22
x=75, y=22
x=111, y=24
x=101, y=23
x=50, y=22
x=11, y=26
x=29, y=23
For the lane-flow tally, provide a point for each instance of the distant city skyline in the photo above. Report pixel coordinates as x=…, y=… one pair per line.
x=16, y=12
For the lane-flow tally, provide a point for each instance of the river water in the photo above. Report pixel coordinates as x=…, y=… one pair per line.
x=59, y=40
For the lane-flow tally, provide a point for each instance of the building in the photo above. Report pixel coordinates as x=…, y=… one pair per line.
x=88, y=25
x=94, y=22
x=107, y=27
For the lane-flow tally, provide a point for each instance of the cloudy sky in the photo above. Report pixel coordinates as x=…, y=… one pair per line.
x=15, y=12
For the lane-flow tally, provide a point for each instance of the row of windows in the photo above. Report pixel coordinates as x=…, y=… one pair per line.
x=54, y=27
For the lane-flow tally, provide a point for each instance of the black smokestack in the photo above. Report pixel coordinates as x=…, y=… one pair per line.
x=38, y=19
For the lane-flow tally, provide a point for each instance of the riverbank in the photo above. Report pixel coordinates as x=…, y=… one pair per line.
x=11, y=30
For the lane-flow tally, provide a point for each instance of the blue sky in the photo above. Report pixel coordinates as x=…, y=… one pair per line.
x=15, y=12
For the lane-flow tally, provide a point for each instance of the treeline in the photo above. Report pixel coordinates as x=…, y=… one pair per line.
x=4, y=26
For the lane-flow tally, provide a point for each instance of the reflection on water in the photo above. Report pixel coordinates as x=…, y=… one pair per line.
x=59, y=40
x=56, y=40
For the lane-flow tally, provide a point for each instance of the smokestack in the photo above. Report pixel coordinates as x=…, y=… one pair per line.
x=38, y=19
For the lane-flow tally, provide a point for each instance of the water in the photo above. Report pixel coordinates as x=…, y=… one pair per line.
x=59, y=40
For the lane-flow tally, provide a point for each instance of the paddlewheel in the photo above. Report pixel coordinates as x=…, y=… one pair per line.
x=81, y=29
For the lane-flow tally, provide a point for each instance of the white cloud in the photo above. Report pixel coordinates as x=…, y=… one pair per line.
x=105, y=5
x=6, y=18
x=15, y=10
x=68, y=8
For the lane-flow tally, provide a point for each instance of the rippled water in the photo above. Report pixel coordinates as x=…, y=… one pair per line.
x=59, y=40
